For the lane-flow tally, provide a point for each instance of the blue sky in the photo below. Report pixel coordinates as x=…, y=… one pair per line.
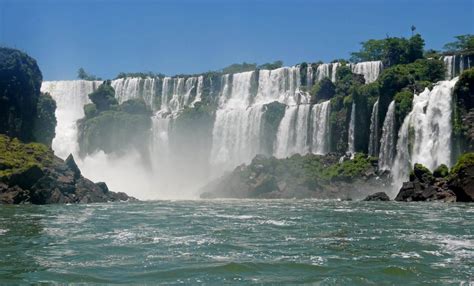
x=184, y=36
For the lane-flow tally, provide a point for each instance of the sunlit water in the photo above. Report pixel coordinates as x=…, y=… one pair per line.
x=248, y=241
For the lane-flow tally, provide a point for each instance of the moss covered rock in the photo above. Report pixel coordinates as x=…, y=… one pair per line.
x=30, y=173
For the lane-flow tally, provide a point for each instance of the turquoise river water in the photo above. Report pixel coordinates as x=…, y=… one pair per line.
x=239, y=241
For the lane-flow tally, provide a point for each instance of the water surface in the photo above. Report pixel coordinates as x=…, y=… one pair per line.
x=247, y=241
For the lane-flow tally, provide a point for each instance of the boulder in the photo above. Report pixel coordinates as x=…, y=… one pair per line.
x=377, y=197
x=73, y=166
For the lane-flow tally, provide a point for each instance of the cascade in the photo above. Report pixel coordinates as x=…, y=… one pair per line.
x=327, y=70
x=370, y=70
x=456, y=64
x=236, y=132
x=282, y=84
x=134, y=87
x=387, y=142
x=334, y=70
x=320, y=120
x=374, y=127
x=199, y=88
x=292, y=134
x=309, y=76
x=425, y=135
x=70, y=97
x=351, y=133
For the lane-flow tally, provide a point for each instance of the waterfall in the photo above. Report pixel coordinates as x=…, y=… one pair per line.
x=450, y=67
x=70, y=97
x=281, y=85
x=320, y=120
x=351, y=133
x=292, y=134
x=309, y=76
x=199, y=89
x=236, y=132
x=323, y=71
x=387, y=142
x=456, y=64
x=370, y=70
x=374, y=130
x=425, y=135
x=334, y=70
x=327, y=70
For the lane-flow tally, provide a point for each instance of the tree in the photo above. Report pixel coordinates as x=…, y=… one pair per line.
x=236, y=68
x=103, y=97
x=391, y=50
x=82, y=74
x=324, y=90
x=45, y=122
x=271, y=66
x=463, y=42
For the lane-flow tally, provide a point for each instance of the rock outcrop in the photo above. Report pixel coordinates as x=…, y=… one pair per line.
x=308, y=176
x=377, y=197
x=30, y=173
x=455, y=186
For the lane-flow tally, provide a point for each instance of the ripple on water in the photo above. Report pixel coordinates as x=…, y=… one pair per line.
x=249, y=241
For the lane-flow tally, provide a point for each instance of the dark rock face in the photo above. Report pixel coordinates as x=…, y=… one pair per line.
x=61, y=182
x=72, y=166
x=418, y=191
x=377, y=197
x=455, y=187
x=463, y=184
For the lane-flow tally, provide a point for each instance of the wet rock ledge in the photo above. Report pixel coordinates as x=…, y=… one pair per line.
x=31, y=174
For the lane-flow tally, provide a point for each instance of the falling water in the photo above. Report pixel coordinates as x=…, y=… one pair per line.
x=351, y=133
x=425, y=136
x=327, y=71
x=456, y=64
x=309, y=76
x=370, y=70
x=133, y=88
x=374, y=130
x=320, y=120
x=387, y=142
x=236, y=132
x=292, y=135
x=70, y=97
x=281, y=85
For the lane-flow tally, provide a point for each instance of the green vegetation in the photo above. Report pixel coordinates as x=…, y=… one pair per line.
x=104, y=97
x=273, y=114
x=271, y=66
x=45, y=122
x=463, y=112
x=403, y=105
x=323, y=90
x=82, y=74
x=244, y=67
x=110, y=127
x=463, y=162
x=441, y=172
x=309, y=170
x=462, y=43
x=236, y=68
x=16, y=156
x=20, y=82
x=391, y=51
x=139, y=74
